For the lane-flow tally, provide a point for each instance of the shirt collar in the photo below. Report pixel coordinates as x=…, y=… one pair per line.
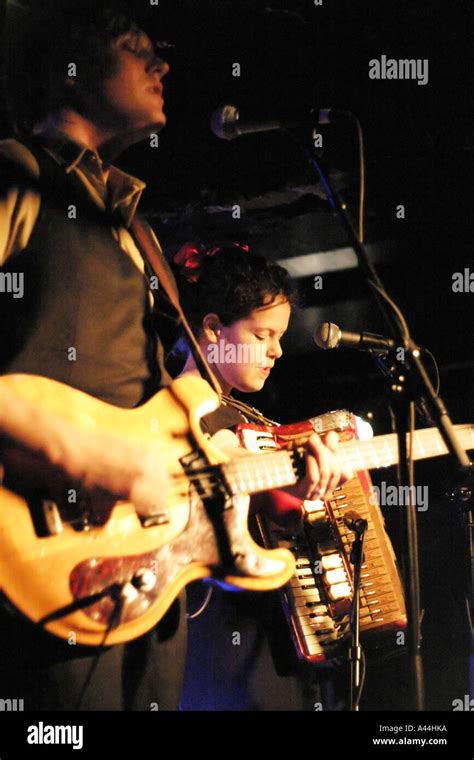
x=121, y=192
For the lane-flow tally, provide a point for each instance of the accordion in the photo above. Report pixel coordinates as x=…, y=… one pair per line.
x=317, y=600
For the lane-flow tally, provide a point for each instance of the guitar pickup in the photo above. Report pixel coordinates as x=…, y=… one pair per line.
x=150, y=521
x=52, y=517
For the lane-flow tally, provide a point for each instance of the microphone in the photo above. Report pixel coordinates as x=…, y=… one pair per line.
x=227, y=122
x=355, y=522
x=329, y=336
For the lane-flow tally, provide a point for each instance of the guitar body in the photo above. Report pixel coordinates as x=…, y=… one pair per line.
x=86, y=581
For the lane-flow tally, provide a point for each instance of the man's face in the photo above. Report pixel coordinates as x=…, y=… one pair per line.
x=131, y=98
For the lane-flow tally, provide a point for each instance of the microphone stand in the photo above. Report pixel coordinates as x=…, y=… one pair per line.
x=412, y=381
x=355, y=649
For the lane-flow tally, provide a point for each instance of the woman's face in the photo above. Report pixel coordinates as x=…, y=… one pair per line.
x=243, y=354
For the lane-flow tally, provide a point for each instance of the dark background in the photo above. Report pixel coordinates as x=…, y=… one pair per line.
x=419, y=146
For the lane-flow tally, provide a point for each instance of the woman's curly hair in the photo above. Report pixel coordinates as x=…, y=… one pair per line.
x=232, y=282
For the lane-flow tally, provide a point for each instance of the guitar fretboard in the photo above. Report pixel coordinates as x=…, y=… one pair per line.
x=382, y=451
x=278, y=469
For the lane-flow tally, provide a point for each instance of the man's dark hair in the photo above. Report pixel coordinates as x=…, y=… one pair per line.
x=40, y=43
x=232, y=284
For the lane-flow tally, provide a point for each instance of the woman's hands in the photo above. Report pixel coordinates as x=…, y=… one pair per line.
x=324, y=468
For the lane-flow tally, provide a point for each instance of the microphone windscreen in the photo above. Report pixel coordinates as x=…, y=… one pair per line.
x=223, y=120
x=327, y=335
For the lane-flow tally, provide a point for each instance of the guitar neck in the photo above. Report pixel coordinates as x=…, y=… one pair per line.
x=283, y=468
x=382, y=451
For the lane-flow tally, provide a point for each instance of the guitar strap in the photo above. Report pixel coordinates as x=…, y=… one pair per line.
x=151, y=251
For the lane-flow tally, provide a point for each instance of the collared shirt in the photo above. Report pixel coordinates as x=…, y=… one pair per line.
x=20, y=200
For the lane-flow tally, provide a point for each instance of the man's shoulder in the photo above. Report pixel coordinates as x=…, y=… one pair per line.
x=17, y=162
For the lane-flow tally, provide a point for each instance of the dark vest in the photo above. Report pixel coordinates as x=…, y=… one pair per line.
x=85, y=317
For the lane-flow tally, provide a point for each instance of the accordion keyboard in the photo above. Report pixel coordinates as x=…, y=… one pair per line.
x=317, y=599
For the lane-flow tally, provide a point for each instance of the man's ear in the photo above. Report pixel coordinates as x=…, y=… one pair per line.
x=211, y=327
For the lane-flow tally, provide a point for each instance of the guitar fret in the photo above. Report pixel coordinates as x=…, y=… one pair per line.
x=420, y=445
x=268, y=476
x=344, y=453
x=250, y=479
x=280, y=478
x=291, y=474
x=260, y=482
x=439, y=444
x=374, y=452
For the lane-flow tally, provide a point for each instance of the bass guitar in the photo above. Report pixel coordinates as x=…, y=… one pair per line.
x=112, y=582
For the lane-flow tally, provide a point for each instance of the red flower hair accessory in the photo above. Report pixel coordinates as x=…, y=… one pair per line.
x=190, y=257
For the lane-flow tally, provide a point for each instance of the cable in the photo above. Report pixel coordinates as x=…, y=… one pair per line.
x=200, y=610
x=114, y=621
x=360, y=137
x=436, y=368
x=400, y=317
x=362, y=678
